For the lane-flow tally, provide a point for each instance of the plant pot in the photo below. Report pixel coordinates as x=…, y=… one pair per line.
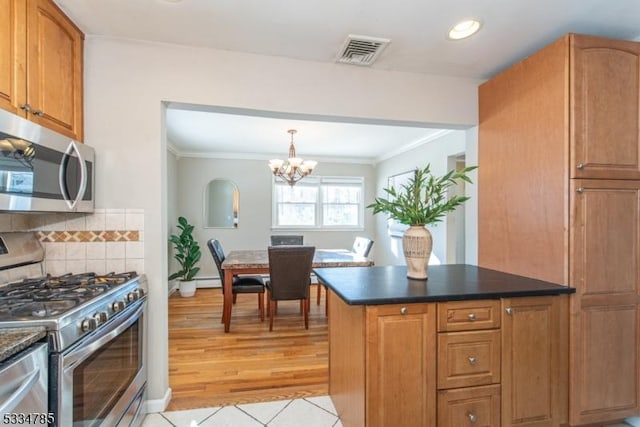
x=187, y=288
x=417, y=245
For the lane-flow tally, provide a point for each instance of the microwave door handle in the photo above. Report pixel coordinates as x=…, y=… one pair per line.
x=83, y=174
x=62, y=172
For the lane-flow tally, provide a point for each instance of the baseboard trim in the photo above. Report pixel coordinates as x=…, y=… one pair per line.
x=159, y=405
x=208, y=282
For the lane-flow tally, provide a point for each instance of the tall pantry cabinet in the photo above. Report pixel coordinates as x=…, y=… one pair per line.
x=559, y=200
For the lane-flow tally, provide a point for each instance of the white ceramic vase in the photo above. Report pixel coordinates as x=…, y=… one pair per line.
x=417, y=245
x=187, y=288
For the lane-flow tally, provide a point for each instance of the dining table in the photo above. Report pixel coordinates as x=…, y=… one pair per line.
x=257, y=262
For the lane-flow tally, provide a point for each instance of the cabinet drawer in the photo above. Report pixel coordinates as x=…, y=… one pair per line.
x=468, y=358
x=473, y=406
x=468, y=315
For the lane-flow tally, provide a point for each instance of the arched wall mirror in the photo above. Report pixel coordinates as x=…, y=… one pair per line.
x=221, y=201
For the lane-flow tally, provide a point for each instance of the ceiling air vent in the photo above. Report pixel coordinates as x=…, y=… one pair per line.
x=361, y=50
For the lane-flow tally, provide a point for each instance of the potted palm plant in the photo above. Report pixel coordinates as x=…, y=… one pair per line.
x=422, y=201
x=187, y=253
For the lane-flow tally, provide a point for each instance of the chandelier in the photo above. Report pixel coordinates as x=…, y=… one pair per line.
x=294, y=168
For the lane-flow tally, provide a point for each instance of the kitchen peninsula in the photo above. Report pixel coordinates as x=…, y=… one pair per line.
x=469, y=346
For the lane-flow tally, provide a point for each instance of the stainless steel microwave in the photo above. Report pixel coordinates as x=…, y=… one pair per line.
x=42, y=170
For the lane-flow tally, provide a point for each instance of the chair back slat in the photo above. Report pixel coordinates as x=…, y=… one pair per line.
x=289, y=271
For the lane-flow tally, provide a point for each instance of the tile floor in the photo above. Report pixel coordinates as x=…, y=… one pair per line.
x=310, y=412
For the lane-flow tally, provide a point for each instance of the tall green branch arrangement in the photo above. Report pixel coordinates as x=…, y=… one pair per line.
x=423, y=200
x=187, y=251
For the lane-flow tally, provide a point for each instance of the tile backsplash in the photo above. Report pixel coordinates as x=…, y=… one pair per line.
x=103, y=241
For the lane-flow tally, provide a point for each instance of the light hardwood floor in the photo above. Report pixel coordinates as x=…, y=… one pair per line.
x=250, y=364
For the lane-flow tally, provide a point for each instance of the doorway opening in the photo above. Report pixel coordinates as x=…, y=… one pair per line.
x=456, y=219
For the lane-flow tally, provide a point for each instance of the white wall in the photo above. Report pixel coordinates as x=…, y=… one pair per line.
x=471, y=206
x=388, y=249
x=253, y=179
x=172, y=209
x=126, y=83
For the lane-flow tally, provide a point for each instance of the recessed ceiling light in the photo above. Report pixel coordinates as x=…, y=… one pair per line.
x=464, y=29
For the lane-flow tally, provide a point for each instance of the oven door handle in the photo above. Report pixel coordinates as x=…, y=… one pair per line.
x=17, y=396
x=111, y=332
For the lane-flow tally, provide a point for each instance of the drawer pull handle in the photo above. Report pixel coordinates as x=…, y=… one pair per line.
x=472, y=417
x=509, y=310
x=404, y=311
x=580, y=166
x=472, y=317
x=472, y=360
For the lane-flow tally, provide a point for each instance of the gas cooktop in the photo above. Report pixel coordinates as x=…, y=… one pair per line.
x=51, y=296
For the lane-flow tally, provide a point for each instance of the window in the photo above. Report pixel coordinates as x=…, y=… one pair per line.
x=319, y=202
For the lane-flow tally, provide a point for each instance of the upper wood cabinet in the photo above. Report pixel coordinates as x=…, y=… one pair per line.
x=13, y=45
x=605, y=108
x=41, y=53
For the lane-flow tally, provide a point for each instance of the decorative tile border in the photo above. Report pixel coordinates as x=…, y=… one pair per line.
x=89, y=236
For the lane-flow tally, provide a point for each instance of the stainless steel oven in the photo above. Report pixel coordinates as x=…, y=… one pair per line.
x=101, y=379
x=95, y=334
x=41, y=170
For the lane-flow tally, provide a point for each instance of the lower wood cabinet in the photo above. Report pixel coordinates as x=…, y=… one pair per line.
x=400, y=368
x=398, y=364
x=535, y=361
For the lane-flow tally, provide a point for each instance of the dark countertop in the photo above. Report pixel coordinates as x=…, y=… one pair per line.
x=13, y=340
x=453, y=282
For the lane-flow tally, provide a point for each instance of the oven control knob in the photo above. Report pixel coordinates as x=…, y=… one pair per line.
x=140, y=292
x=101, y=317
x=89, y=324
x=132, y=296
x=118, y=306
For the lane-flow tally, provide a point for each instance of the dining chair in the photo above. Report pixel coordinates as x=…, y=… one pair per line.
x=289, y=278
x=289, y=239
x=241, y=284
x=361, y=246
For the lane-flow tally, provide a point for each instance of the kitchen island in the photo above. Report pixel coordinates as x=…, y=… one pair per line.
x=469, y=346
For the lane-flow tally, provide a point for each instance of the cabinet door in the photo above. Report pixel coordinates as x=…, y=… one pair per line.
x=13, y=55
x=54, y=54
x=605, y=241
x=401, y=366
x=605, y=101
x=534, y=361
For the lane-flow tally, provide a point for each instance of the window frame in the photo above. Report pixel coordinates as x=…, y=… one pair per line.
x=319, y=203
